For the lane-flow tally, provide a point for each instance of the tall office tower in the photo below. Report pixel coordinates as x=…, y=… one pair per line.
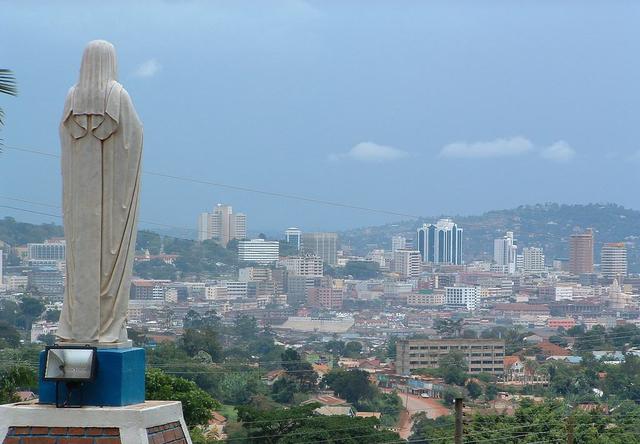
x=398, y=243
x=407, y=263
x=293, y=237
x=222, y=225
x=203, y=227
x=238, y=229
x=581, y=252
x=323, y=245
x=504, y=253
x=258, y=250
x=1, y=265
x=532, y=260
x=613, y=260
x=441, y=243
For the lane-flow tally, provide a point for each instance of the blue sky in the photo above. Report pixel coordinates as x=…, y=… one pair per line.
x=417, y=107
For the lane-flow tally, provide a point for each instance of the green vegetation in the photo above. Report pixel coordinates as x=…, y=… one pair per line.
x=543, y=422
x=299, y=424
x=196, y=403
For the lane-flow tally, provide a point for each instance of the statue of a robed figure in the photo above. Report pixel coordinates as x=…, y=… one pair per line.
x=101, y=139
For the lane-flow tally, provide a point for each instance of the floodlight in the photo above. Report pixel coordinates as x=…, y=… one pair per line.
x=69, y=363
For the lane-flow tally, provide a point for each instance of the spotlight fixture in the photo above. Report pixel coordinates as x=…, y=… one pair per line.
x=70, y=363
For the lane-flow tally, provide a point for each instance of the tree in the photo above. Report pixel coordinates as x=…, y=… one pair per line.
x=468, y=333
x=9, y=336
x=391, y=347
x=300, y=371
x=13, y=379
x=52, y=315
x=335, y=347
x=204, y=339
x=454, y=368
x=283, y=389
x=449, y=327
x=31, y=309
x=352, y=385
x=352, y=349
x=474, y=389
x=245, y=327
x=362, y=270
x=7, y=86
x=197, y=404
x=300, y=425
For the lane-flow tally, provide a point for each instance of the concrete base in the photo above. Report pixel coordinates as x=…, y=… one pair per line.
x=151, y=422
x=127, y=344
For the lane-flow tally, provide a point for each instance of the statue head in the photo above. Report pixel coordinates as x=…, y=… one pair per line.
x=98, y=65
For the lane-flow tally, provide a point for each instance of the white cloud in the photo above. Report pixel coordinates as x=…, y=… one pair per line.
x=148, y=68
x=560, y=151
x=371, y=152
x=513, y=146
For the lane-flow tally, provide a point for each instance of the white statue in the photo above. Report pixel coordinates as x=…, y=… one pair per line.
x=101, y=139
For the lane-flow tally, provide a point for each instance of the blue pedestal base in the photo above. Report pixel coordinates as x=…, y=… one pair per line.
x=119, y=381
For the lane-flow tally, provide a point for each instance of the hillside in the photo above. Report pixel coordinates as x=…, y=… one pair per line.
x=544, y=225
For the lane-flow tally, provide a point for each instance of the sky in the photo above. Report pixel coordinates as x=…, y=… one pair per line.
x=413, y=107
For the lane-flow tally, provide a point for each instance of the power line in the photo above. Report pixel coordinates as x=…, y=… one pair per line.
x=243, y=188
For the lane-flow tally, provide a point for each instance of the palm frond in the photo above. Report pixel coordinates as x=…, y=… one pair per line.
x=8, y=82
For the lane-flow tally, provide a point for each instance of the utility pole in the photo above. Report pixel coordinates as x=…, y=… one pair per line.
x=457, y=439
x=571, y=425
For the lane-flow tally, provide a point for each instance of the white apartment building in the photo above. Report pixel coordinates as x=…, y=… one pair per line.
x=310, y=266
x=613, y=260
x=258, y=250
x=398, y=243
x=407, y=263
x=235, y=289
x=222, y=225
x=504, y=253
x=462, y=297
x=533, y=260
x=50, y=250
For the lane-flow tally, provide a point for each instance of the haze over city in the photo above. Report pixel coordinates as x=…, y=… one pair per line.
x=422, y=108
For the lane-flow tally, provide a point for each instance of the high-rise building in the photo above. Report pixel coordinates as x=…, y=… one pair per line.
x=581, y=252
x=441, y=243
x=504, y=253
x=407, y=263
x=293, y=237
x=258, y=250
x=398, y=243
x=222, y=225
x=323, y=245
x=613, y=260
x=532, y=260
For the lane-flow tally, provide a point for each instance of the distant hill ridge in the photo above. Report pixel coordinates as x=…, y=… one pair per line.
x=543, y=225
x=546, y=225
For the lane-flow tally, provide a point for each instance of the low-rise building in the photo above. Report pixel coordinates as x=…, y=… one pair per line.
x=481, y=355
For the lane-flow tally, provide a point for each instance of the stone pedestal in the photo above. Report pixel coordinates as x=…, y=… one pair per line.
x=151, y=422
x=119, y=381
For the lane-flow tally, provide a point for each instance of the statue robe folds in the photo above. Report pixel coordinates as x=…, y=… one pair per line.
x=101, y=165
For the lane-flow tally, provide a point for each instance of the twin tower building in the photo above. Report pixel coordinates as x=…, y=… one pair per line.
x=440, y=243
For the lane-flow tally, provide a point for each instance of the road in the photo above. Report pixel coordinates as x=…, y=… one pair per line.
x=415, y=404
